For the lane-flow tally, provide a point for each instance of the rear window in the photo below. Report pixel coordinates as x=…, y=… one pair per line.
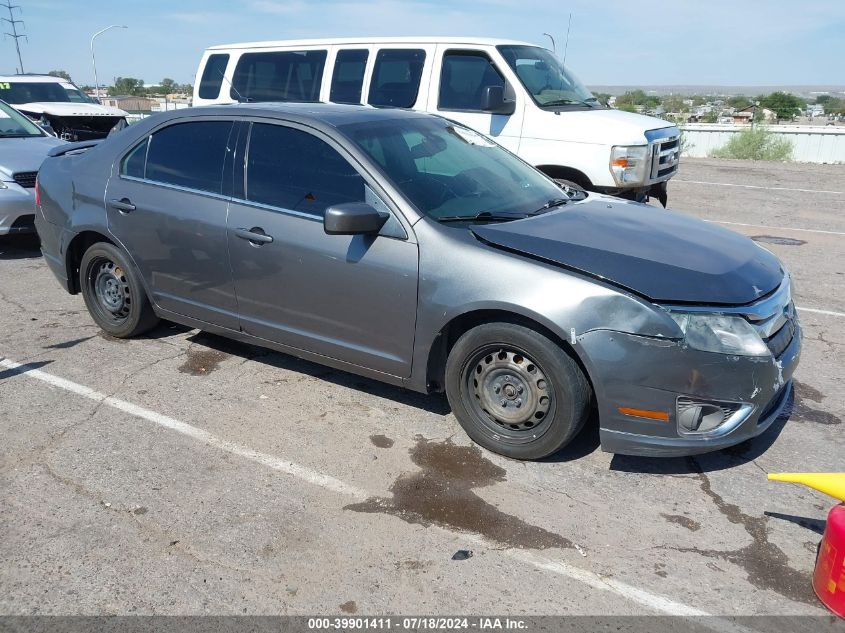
x=212, y=76
x=279, y=76
x=396, y=77
x=348, y=76
x=189, y=155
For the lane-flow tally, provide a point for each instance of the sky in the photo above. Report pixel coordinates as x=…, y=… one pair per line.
x=612, y=42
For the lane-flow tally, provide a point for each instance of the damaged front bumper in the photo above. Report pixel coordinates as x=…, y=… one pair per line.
x=633, y=374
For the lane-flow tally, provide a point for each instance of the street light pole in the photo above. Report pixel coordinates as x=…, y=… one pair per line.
x=93, y=59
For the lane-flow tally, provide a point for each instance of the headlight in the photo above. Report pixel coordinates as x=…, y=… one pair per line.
x=3, y=185
x=629, y=164
x=722, y=333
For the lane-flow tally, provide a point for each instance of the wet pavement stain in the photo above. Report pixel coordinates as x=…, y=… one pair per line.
x=201, y=362
x=679, y=519
x=381, y=441
x=802, y=412
x=441, y=493
x=774, y=239
x=349, y=607
x=766, y=564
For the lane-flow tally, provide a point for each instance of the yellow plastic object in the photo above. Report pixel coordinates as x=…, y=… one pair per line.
x=832, y=484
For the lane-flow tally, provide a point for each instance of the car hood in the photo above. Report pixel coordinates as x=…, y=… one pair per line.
x=59, y=108
x=662, y=255
x=603, y=126
x=24, y=154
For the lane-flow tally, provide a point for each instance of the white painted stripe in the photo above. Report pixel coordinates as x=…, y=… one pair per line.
x=636, y=595
x=817, y=311
x=730, y=184
x=777, y=228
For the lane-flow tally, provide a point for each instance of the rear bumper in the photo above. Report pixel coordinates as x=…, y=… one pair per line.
x=637, y=373
x=17, y=210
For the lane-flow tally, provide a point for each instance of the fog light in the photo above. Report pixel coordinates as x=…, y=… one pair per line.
x=700, y=417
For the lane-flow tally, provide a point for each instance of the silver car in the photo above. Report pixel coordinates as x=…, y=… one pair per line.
x=413, y=250
x=23, y=146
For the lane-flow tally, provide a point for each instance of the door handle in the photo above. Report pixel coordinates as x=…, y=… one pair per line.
x=124, y=205
x=255, y=236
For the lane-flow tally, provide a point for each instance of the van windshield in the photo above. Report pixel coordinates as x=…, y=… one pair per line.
x=545, y=78
x=450, y=172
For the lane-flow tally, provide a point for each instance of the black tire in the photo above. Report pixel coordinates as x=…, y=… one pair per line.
x=113, y=292
x=545, y=394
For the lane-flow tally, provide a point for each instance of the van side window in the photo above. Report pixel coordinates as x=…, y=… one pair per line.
x=134, y=162
x=212, y=76
x=463, y=78
x=295, y=170
x=396, y=77
x=279, y=76
x=348, y=76
x=189, y=155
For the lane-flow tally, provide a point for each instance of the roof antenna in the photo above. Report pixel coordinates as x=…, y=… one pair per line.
x=566, y=45
x=554, y=48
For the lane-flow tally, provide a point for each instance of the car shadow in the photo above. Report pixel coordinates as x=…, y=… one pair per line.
x=26, y=246
x=726, y=458
x=433, y=403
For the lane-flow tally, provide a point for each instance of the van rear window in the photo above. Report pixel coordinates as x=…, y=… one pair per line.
x=279, y=76
x=348, y=77
x=212, y=76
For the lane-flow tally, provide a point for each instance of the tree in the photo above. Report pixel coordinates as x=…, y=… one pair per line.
x=168, y=85
x=739, y=102
x=127, y=86
x=785, y=105
x=60, y=73
x=756, y=143
x=603, y=97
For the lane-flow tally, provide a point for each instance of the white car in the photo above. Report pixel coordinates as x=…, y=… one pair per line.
x=60, y=107
x=517, y=93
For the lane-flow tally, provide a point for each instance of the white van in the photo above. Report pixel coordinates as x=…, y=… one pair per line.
x=517, y=93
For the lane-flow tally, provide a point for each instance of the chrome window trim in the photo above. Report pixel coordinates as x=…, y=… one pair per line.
x=167, y=185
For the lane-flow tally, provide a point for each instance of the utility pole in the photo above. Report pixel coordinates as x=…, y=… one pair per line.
x=14, y=24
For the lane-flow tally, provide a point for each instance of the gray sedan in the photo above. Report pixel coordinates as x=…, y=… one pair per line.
x=413, y=250
x=23, y=146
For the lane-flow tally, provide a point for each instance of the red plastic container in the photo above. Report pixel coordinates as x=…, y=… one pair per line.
x=829, y=576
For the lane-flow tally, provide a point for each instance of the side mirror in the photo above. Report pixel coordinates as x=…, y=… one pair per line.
x=353, y=218
x=493, y=100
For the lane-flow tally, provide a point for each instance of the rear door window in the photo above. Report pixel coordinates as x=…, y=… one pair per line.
x=189, y=155
x=279, y=76
x=212, y=76
x=295, y=170
x=348, y=76
x=463, y=78
x=396, y=77
x=134, y=163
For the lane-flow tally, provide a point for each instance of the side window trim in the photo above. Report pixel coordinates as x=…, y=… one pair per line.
x=467, y=52
x=369, y=180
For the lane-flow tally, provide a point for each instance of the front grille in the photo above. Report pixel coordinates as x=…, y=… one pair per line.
x=25, y=178
x=665, y=157
x=780, y=340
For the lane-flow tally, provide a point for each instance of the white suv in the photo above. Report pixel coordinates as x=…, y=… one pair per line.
x=517, y=93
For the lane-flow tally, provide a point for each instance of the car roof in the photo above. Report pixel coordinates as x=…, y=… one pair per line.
x=329, y=114
x=31, y=78
x=364, y=41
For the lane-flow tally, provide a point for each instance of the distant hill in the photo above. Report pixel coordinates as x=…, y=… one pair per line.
x=727, y=91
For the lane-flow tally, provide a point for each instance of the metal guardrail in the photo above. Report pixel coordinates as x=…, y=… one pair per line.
x=810, y=143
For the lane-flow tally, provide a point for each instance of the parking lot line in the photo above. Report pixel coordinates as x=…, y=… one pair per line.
x=817, y=311
x=636, y=595
x=730, y=184
x=777, y=228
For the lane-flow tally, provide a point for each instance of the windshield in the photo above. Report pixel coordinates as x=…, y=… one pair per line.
x=15, y=124
x=77, y=96
x=545, y=78
x=451, y=172
x=33, y=92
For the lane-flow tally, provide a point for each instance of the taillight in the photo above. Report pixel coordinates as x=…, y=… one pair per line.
x=37, y=193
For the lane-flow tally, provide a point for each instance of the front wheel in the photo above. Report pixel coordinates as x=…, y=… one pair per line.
x=515, y=392
x=113, y=293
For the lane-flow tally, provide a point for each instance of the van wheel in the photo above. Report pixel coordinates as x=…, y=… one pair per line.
x=113, y=293
x=515, y=392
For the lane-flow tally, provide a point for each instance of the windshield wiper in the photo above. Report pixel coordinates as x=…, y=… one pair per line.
x=556, y=102
x=484, y=216
x=551, y=204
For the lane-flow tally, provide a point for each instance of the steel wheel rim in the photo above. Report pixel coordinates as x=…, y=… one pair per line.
x=110, y=290
x=509, y=392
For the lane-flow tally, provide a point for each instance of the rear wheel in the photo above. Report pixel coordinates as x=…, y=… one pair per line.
x=516, y=392
x=113, y=293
